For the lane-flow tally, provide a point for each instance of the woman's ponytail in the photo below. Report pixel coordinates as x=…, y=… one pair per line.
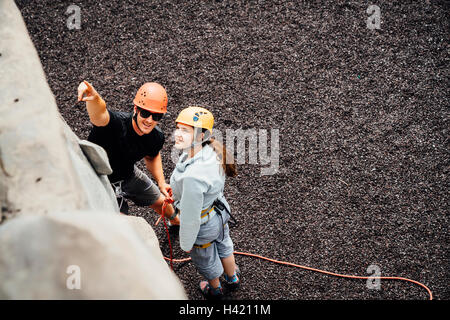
x=226, y=159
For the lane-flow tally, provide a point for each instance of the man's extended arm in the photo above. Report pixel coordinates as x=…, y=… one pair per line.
x=95, y=105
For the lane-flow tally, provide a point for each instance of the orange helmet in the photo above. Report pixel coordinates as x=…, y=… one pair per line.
x=151, y=96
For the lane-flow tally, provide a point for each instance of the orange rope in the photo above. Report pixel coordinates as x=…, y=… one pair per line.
x=296, y=265
x=320, y=271
x=167, y=232
x=337, y=274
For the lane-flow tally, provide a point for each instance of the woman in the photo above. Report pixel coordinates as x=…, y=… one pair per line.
x=197, y=184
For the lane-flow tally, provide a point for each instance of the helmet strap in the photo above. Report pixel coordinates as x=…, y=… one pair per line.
x=198, y=131
x=197, y=143
x=135, y=120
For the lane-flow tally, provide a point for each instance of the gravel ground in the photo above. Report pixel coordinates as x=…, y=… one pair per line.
x=362, y=118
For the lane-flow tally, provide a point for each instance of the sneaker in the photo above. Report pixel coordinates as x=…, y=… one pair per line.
x=209, y=292
x=233, y=283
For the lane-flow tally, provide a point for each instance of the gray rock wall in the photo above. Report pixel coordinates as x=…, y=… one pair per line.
x=61, y=234
x=81, y=255
x=42, y=165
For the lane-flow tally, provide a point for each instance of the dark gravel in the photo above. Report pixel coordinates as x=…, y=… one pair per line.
x=362, y=114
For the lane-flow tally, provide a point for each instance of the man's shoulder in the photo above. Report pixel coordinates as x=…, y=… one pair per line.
x=118, y=120
x=119, y=115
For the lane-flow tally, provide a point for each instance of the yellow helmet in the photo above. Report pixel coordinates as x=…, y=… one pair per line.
x=196, y=117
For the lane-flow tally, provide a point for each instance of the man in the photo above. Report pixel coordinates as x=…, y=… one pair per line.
x=127, y=138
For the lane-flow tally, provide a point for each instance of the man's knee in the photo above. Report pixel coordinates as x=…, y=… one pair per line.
x=158, y=203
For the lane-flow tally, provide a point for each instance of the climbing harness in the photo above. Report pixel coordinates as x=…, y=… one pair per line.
x=203, y=246
x=120, y=195
x=171, y=260
x=221, y=206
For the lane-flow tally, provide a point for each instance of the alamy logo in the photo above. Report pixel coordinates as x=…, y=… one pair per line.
x=74, y=280
x=257, y=146
x=258, y=149
x=374, y=281
x=374, y=19
x=74, y=20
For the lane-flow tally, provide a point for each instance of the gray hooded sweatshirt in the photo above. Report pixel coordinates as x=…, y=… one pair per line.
x=196, y=182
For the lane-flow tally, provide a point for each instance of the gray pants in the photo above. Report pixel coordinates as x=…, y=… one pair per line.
x=207, y=260
x=139, y=188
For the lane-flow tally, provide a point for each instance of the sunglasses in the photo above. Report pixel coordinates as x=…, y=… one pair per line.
x=145, y=114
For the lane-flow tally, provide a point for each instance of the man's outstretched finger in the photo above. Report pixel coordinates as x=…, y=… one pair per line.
x=88, y=85
x=81, y=90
